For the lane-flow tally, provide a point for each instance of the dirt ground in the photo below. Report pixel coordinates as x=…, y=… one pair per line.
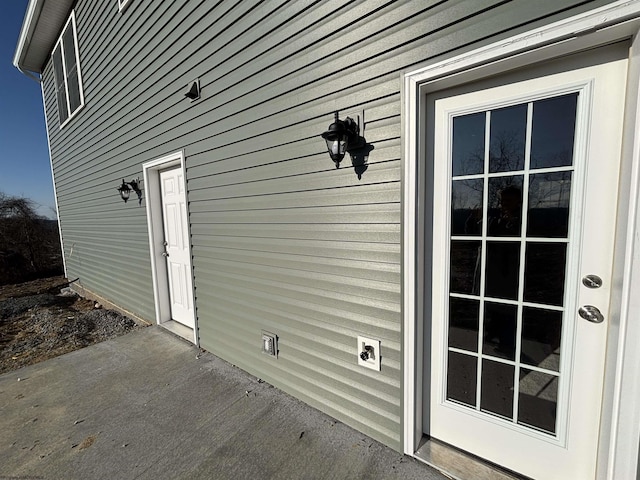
x=38, y=322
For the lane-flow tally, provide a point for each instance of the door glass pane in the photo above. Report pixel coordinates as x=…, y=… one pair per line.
x=508, y=130
x=495, y=336
x=499, y=337
x=554, y=124
x=541, y=330
x=461, y=378
x=505, y=206
x=502, y=270
x=544, y=273
x=497, y=388
x=548, y=214
x=465, y=266
x=468, y=144
x=537, y=401
x=466, y=207
x=464, y=316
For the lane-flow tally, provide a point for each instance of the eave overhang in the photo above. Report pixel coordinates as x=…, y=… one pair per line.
x=41, y=28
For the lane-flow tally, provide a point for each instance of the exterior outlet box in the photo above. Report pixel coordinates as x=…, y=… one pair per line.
x=269, y=344
x=369, y=353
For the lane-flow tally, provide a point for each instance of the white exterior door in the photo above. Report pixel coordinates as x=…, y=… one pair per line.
x=524, y=206
x=176, y=242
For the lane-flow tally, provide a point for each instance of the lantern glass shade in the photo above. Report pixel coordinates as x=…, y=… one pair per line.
x=125, y=191
x=337, y=138
x=337, y=148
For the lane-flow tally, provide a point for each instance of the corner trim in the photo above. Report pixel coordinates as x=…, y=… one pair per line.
x=55, y=190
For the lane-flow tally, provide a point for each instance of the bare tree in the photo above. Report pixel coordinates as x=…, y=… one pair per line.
x=29, y=243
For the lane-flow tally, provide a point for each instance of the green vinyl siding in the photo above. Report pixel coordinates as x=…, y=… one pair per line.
x=281, y=240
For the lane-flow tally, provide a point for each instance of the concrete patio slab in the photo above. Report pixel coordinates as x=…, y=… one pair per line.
x=145, y=406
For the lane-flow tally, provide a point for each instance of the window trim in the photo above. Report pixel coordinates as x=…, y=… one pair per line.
x=72, y=20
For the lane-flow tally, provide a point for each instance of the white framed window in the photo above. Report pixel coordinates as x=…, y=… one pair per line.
x=66, y=70
x=122, y=4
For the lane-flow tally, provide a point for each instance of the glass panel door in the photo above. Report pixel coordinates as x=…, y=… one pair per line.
x=522, y=166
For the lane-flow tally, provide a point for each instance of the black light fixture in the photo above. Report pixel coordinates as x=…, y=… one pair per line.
x=340, y=137
x=125, y=191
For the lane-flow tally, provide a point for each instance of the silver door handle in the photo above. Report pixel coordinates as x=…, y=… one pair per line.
x=591, y=313
x=165, y=254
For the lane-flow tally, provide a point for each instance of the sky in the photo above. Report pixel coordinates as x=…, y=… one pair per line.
x=25, y=170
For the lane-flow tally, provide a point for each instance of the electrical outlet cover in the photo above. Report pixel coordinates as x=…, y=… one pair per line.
x=269, y=344
x=373, y=362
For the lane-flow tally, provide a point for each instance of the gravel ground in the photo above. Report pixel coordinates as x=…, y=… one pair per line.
x=37, y=322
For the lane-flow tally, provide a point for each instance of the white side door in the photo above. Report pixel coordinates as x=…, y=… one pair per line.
x=525, y=198
x=176, y=240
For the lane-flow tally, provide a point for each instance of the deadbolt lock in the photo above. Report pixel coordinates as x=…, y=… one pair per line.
x=592, y=281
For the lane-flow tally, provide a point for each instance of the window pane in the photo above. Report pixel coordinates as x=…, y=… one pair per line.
x=69, y=48
x=499, y=330
x=497, y=388
x=541, y=334
x=465, y=266
x=544, y=273
x=466, y=207
x=74, y=91
x=503, y=265
x=464, y=316
x=537, y=401
x=61, y=94
x=554, y=124
x=58, y=72
x=461, y=378
x=63, y=112
x=549, y=195
x=508, y=131
x=505, y=206
x=468, y=144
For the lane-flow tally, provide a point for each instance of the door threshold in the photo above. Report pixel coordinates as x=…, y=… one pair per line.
x=178, y=329
x=460, y=465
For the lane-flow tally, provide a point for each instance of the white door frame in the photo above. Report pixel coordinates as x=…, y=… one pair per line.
x=150, y=171
x=620, y=425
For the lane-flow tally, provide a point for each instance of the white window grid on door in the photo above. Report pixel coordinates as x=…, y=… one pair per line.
x=572, y=256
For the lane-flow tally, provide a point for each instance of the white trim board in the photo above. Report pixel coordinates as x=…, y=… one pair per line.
x=150, y=172
x=53, y=181
x=616, y=21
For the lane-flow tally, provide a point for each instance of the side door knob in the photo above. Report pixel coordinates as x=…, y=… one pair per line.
x=591, y=313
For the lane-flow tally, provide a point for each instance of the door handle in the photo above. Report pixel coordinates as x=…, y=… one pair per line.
x=591, y=314
x=165, y=254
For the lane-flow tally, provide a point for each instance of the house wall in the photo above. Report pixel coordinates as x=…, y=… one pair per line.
x=281, y=240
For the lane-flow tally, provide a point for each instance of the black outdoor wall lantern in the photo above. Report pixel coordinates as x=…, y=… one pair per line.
x=125, y=191
x=341, y=136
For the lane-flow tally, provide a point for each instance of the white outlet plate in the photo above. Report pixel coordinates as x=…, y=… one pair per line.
x=373, y=362
x=270, y=344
